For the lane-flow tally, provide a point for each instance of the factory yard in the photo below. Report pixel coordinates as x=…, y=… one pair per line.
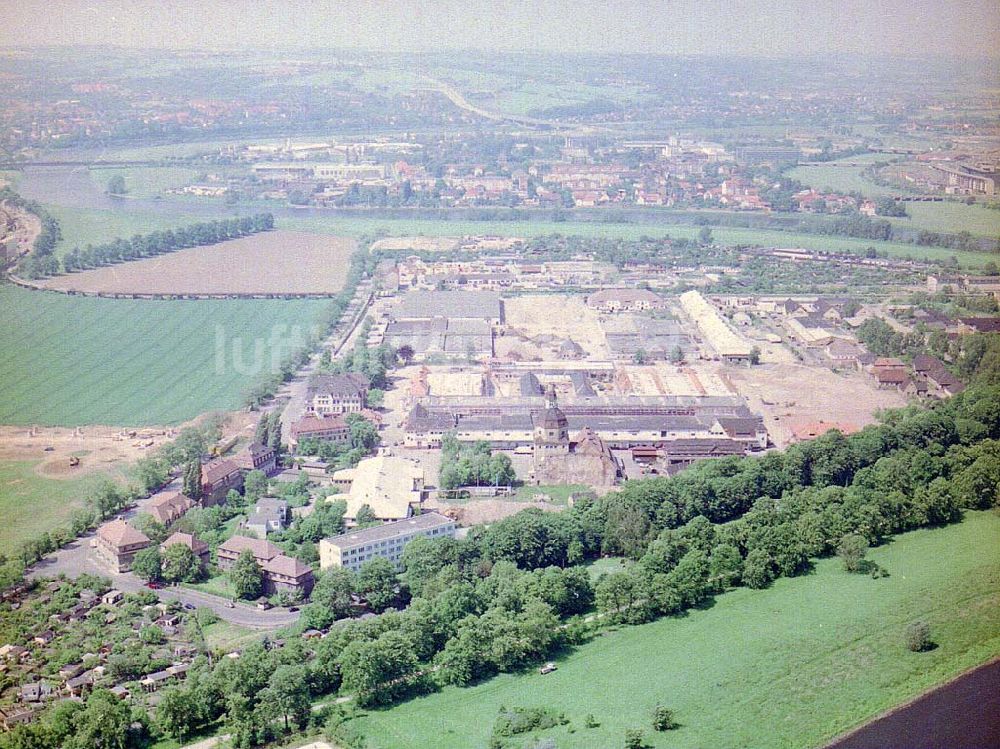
x=293, y=263
x=540, y=317
x=795, y=398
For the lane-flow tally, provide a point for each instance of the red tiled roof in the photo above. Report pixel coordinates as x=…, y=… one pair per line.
x=286, y=566
x=261, y=549
x=217, y=470
x=310, y=424
x=118, y=533
x=186, y=539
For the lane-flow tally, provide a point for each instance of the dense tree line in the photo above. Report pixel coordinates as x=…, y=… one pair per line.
x=41, y=261
x=161, y=242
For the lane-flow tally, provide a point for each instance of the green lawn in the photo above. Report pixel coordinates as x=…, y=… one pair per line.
x=353, y=227
x=842, y=179
x=227, y=636
x=790, y=666
x=31, y=504
x=952, y=218
x=606, y=565
x=74, y=360
x=214, y=586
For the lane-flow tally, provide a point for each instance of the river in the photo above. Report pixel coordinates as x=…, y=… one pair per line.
x=962, y=714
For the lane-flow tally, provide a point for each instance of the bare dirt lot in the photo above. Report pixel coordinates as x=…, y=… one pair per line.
x=98, y=448
x=485, y=511
x=564, y=316
x=790, y=395
x=276, y=262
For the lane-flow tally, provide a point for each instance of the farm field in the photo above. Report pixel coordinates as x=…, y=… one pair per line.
x=356, y=227
x=277, y=262
x=790, y=666
x=31, y=503
x=842, y=179
x=74, y=361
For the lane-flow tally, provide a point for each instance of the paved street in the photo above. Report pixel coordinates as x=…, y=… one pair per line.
x=78, y=558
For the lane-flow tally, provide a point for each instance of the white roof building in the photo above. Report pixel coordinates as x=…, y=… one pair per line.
x=391, y=486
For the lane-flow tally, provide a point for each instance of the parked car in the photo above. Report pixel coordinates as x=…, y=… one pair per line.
x=189, y=606
x=153, y=585
x=230, y=605
x=548, y=668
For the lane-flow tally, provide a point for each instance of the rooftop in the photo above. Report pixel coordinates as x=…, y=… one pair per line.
x=417, y=305
x=119, y=533
x=424, y=522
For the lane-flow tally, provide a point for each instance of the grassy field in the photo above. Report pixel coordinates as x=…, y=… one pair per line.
x=73, y=361
x=146, y=182
x=952, y=218
x=273, y=262
x=227, y=636
x=790, y=666
x=351, y=226
x=215, y=586
x=840, y=179
x=31, y=504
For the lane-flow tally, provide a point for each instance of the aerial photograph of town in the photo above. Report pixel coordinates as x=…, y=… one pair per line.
x=500, y=375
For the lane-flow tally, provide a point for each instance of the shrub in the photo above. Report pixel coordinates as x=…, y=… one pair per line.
x=634, y=739
x=663, y=719
x=918, y=637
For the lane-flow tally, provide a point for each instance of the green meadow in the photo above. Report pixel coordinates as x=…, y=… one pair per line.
x=790, y=666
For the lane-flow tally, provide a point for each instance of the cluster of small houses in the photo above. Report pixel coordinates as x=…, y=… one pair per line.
x=73, y=681
x=117, y=542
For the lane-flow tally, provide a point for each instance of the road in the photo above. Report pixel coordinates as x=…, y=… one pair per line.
x=461, y=102
x=77, y=558
x=292, y=398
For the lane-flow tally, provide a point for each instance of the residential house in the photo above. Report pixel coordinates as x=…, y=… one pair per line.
x=281, y=573
x=337, y=394
x=269, y=515
x=198, y=547
x=36, y=692
x=166, y=508
x=326, y=428
x=941, y=383
x=218, y=477
x=116, y=544
x=257, y=457
x=15, y=716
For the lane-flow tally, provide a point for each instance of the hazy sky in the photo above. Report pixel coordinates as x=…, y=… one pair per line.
x=771, y=27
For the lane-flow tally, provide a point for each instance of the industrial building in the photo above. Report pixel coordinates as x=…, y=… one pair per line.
x=620, y=422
